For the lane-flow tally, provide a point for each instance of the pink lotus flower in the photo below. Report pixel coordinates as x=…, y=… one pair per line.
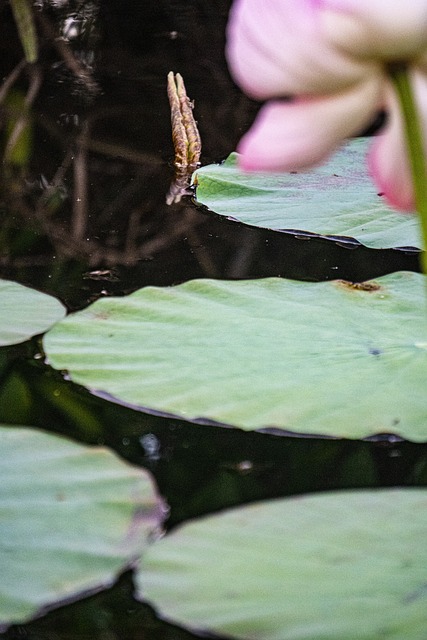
x=323, y=66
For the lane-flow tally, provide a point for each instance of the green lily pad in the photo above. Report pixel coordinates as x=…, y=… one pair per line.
x=25, y=312
x=319, y=358
x=335, y=199
x=337, y=565
x=71, y=518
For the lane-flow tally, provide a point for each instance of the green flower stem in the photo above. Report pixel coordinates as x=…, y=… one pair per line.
x=414, y=140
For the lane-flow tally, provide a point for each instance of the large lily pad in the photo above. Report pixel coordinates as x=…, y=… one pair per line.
x=319, y=358
x=25, y=312
x=330, y=566
x=71, y=517
x=335, y=199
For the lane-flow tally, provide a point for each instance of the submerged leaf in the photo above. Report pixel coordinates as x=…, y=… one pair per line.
x=335, y=199
x=71, y=518
x=325, y=358
x=23, y=14
x=330, y=566
x=25, y=312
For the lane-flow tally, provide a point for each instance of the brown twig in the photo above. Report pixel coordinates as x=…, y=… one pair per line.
x=80, y=191
x=11, y=79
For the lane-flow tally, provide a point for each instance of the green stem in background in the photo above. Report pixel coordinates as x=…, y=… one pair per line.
x=414, y=140
x=24, y=18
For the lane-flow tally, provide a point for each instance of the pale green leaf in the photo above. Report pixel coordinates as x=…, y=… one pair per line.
x=25, y=312
x=71, y=518
x=333, y=566
x=335, y=199
x=318, y=358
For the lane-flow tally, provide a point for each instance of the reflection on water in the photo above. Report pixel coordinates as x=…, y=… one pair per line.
x=83, y=214
x=90, y=192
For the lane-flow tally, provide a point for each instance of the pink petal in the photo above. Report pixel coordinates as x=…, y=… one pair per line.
x=289, y=136
x=393, y=181
x=277, y=48
x=388, y=30
x=388, y=158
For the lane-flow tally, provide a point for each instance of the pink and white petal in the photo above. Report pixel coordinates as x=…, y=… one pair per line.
x=388, y=158
x=277, y=48
x=390, y=173
x=389, y=30
x=289, y=136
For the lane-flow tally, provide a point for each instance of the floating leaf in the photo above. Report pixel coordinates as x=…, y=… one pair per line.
x=320, y=358
x=25, y=312
x=71, y=517
x=335, y=199
x=329, y=566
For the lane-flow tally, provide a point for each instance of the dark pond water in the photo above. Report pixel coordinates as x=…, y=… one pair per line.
x=84, y=216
